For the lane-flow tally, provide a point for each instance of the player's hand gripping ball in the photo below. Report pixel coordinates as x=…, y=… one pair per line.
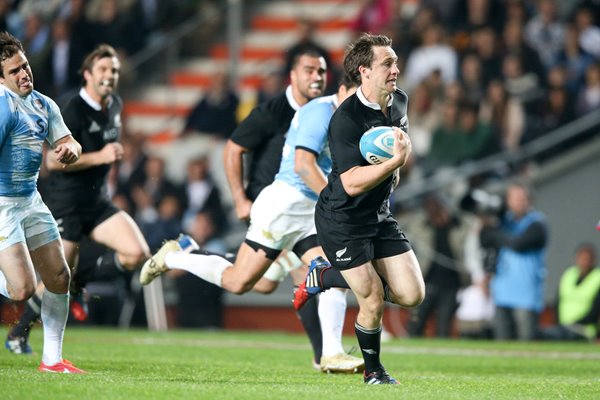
x=377, y=144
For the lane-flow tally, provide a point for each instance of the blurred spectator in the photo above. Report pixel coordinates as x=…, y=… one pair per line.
x=573, y=59
x=553, y=111
x=471, y=77
x=505, y=113
x=215, y=113
x=545, y=33
x=578, y=299
x=374, y=16
x=525, y=86
x=423, y=115
x=517, y=285
x=484, y=43
x=438, y=234
x=45, y=9
x=476, y=309
x=588, y=97
x=470, y=15
x=147, y=194
x=37, y=47
x=589, y=33
x=166, y=225
x=63, y=62
x=10, y=19
x=514, y=43
x=203, y=194
x=461, y=137
x=115, y=25
x=131, y=166
x=430, y=56
x=200, y=303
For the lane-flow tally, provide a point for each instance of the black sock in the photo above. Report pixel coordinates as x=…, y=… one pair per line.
x=331, y=277
x=31, y=313
x=309, y=316
x=108, y=266
x=369, y=341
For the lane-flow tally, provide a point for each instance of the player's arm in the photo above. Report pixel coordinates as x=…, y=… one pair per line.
x=110, y=153
x=233, y=160
x=360, y=179
x=305, y=165
x=66, y=151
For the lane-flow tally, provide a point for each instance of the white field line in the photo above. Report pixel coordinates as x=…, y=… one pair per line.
x=562, y=355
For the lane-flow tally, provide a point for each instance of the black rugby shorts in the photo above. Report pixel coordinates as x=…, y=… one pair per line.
x=349, y=245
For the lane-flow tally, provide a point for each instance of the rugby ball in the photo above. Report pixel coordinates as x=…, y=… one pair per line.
x=377, y=144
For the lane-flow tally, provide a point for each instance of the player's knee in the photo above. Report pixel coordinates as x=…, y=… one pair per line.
x=373, y=306
x=240, y=287
x=22, y=292
x=413, y=299
x=59, y=282
x=134, y=259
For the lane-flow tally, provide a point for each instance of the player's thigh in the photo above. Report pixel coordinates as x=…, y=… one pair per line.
x=17, y=267
x=403, y=275
x=120, y=233
x=250, y=264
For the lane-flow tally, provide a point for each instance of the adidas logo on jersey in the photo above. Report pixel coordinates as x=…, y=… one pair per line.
x=94, y=127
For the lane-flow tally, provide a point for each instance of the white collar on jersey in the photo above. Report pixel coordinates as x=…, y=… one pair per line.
x=367, y=103
x=91, y=102
x=290, y=98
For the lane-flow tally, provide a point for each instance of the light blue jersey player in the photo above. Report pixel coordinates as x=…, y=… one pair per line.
x=29, y=239
x=310, y=136
x=25, y=122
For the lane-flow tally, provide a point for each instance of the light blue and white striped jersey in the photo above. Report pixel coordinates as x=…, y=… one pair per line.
x=25, y=122
x=308, y=130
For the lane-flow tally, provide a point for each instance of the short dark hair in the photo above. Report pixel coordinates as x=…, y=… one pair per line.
x=9, y=46
x=101, y=51
x=306, y=50
x=360, y=53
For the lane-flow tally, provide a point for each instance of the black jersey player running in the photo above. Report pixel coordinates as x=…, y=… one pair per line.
x=78, y=198
x=355, y=227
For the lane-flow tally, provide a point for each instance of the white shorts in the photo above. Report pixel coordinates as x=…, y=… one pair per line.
x=26, y=220
x=281, y=216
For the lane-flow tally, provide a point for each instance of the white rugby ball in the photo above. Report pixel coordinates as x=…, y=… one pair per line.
x=377, y=144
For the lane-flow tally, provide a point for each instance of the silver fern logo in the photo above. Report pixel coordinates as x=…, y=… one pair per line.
x=340, y=253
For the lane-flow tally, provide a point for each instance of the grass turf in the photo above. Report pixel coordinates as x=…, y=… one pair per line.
x=137, y=364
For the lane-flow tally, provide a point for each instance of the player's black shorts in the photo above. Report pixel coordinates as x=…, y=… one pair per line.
x=75, y=223
x=350, y=245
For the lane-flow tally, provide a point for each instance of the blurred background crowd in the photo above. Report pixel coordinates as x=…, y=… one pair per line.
x=485, y=78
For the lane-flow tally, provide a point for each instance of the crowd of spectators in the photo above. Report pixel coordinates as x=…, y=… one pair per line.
x=483, y=76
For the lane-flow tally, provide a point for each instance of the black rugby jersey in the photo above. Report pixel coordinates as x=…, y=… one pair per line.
x=263, y=133
x=353, y=118
x=92, y=129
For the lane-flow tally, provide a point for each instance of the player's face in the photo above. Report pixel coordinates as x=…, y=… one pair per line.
x=383, y=73
x=17, y=74
x=309, y=77
x=102, y=80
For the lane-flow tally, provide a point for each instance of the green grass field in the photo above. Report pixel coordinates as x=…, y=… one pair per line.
x=136, y=364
